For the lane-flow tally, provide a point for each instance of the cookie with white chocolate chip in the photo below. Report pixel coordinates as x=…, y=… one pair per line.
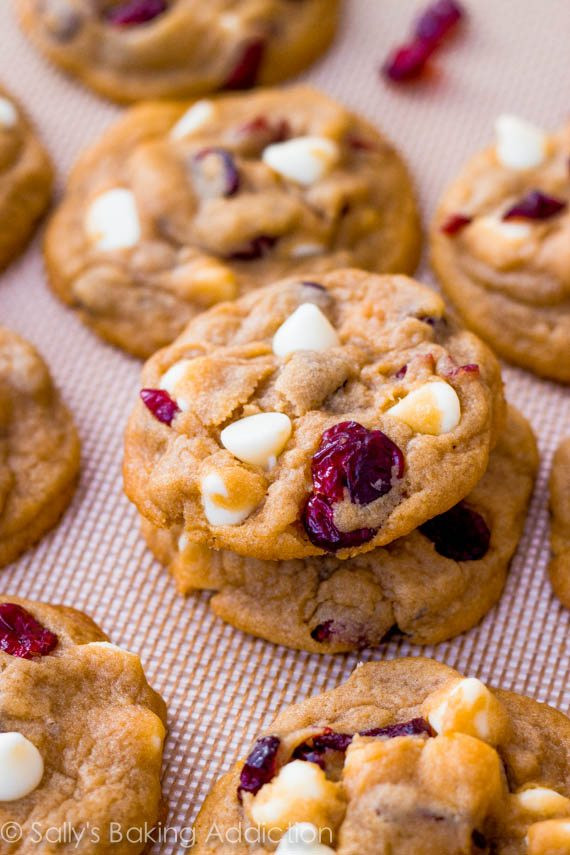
x=331, y=415
x=407, y=757
x=429, y=586
x=129, y=50
x=559, y=567
x=81, y=733
x=39, y=448
x=500, y=246
x=180, y=207
x=25, y=178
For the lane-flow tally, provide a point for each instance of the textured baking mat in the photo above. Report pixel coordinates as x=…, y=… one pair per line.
x=222, y=686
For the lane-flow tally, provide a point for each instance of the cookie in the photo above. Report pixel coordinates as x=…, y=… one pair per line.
x=25, y=178
x=180, y=207
x=559, y=567
x=81, y=738
x=407, y=757
x=428, y=586
x=39, y=448
x=500, y=243
x=331, y=415
x=130, y=50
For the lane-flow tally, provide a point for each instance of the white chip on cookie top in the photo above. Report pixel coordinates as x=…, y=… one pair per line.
x=171, y=379
x=307, y=250
x=21, y=766
x=303, y=160
x=520, y=145
x=542, y=802
x=468, y=707
x=257, y=439
x=193, y=119
x=8, y=114
x=551, y=837
x=112, y=220
x=433, y=408
x=303, y=838
x=306, y=329
x=217, y=501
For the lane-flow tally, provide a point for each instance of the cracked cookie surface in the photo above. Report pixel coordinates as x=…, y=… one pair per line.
x=559, y=567
x=180, y=207
x=39, y=448
x=328, y=416
x=25, y=178
x=89, y=732
x=324, y=605
x=406, y=757
x=130, y=50
x=500, y=247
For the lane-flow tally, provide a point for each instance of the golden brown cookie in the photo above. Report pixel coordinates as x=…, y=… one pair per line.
x=81, y=737
x=429, y=586
x=407, y=757
x=39, y=448
x=333, y=415
x=180, y=207
x=25, y=178
x=559, y=567
x=500, y=246
x=130, y=50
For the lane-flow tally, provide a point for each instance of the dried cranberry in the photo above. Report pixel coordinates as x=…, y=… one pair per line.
x=258, y=247
x=455, y=223
x=359, y=143
x=262, y=131
x=479, y=840
x=260, y=766
x=215, y=173
x=161, y=405
x=351, y=633
x=460, y=533
x=470, y=368
x=407, y=62
x=21, y=634
x=314, y=750
x=245, y=72
x=414, y=727
x=535, y=206
x=322, y=532
x=136, y=12
x=401, y=372
x=435, y=23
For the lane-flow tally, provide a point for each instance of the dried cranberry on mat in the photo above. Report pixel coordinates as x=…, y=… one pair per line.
x=535, y=206
x=21, y=634
x=260, y=766
x=409, y=60
x=460, y=534
x=161, y=405
x=135, y=12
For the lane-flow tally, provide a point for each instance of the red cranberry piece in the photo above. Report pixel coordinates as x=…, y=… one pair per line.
x=364, y=461
x=414, y=727
x=260, y=766
x=136, y=12
x=535, y=206
x=437, y=21
x=460, y=534
x=407, y=62
x=352, y=633
x=215, y=173
x=21, y=634
x=258, y=247
x=455, y=223
x=479, y=840
x=262, y=131
x=401, y=372
x=246, y=70
x=322, y=532
x=161, y=405
x=314, y=750
x=470, y=368
x=359, y=143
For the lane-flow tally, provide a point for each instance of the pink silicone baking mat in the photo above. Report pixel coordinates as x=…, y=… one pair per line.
x=222, y=686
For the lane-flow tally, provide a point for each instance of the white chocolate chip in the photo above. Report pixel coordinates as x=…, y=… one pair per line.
x=230, y=23
x=520, y=145
x=542, y=802
x=303, y=838
x=183, y=542
x=306, y=329
x=8, y=114
x=171, y=380
x=213, y=488
x=307, y=250
x=112, y=220
x=193, y=119
x=433, y=408
x=257, y=439
x=298, y=786
x=21, y=766
x=470, y=708
x=551, y=837
x=303, y=159
x=509, y=232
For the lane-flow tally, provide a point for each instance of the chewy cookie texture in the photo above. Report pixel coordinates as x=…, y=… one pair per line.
x=407, y=757
x=130, y=50
x=429, y=586
x=82, y=732
x=559, y=567
x=179, y=207
x=500, y=246
x=331, y=415
x=25, y=178
x=39, y=448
